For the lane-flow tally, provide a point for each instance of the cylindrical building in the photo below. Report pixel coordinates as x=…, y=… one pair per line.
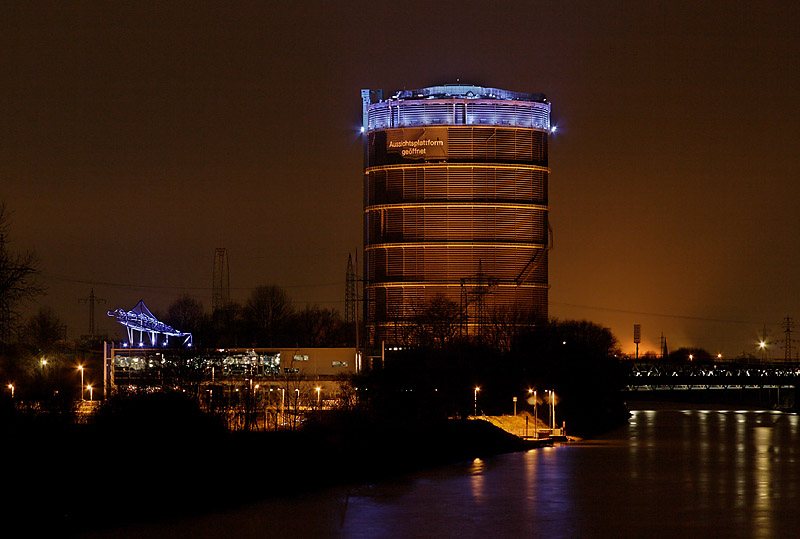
x=455, y=205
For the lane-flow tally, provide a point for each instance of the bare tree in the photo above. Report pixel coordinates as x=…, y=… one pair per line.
x=42, y=331
x=506, y=325
x=268, y=311
x=437, y=322
x=227, y=326
x=18, y=279
x=186, y=314
x=318, y=327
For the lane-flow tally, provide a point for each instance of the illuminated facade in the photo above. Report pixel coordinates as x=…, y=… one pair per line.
x=455, y=203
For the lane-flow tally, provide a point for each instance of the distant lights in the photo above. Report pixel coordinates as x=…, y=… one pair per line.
x=553, y=129
x=362, y=129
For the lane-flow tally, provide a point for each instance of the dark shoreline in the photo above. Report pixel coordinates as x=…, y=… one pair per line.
x=79, y=479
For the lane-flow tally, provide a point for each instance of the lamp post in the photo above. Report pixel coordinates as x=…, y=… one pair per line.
x=90, y=392
x=296, y=407
x=535, y=415
x=11, y=387
x=515, y=406
x=255, y=408
x=476, y=399
x=80, y=368
x=319, y=389
x=283, y=414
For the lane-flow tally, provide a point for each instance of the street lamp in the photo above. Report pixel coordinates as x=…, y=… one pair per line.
x=319, y=389
x=11, y=387
x=90, y=392
x=296, y=407
x=80, y=368
x=535, y=414
x=283, y=397
x=476, y=399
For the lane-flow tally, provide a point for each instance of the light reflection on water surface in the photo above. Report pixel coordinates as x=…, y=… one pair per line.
x=669, y=473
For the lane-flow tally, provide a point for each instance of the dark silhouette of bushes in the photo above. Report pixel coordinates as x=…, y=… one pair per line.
x=167, y=414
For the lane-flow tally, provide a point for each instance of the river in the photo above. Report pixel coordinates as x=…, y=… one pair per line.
x=669, y=473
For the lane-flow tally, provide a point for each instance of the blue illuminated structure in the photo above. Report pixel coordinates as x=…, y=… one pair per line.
x=453, y=105
x=142, y=320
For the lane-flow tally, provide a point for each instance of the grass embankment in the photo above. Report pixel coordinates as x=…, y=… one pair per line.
x=523, y=424
x=145, y=466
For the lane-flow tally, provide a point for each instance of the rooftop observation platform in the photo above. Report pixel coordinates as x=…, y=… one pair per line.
x=454, y=104
x=466, y=91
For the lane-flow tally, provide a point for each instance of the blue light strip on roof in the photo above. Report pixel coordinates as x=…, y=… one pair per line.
x=142, y=320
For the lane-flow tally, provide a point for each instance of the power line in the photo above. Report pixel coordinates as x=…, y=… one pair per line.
x=338, y=283
x=171, y=287
x=663, y=315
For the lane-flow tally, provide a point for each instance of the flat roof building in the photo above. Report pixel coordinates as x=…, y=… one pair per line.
x=455, y=206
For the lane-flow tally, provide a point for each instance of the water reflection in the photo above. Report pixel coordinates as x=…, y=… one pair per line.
x=668, y=473
x=477, y=480
x=762, y=437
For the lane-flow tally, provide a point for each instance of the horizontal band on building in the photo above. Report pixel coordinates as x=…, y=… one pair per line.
x=429, y=284
x=449, y=165
x=456, y=244
x=457, y=204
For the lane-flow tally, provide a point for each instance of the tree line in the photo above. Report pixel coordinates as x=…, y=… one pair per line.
x=268, y=319
x=445, y=373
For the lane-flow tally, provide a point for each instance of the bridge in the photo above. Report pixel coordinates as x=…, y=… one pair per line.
x=655, y=376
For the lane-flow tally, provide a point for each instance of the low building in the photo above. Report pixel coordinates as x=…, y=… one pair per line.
x=127, y=366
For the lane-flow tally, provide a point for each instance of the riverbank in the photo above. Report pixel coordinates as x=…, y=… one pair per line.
x=79, y=478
